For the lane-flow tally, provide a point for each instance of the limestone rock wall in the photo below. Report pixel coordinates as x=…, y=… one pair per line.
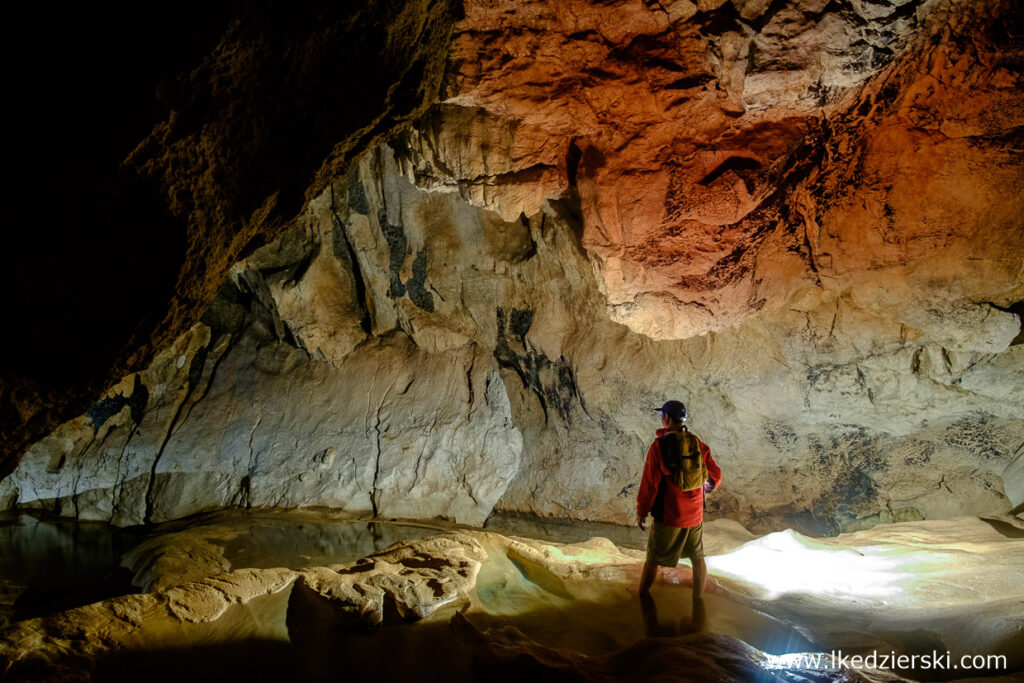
x=819, y=252
x=284, y=397
x=400, y=352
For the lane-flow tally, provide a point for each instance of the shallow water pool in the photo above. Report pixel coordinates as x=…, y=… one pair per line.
x=50, y=565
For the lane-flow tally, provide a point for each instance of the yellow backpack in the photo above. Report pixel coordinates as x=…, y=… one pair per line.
x=682, y=456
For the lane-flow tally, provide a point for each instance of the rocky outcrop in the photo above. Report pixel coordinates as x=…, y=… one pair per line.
x=176, y=558
x=291, y=395
x=264, y=605
x=411, y=580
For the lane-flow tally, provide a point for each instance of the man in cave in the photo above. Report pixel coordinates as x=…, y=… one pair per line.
x=678, y=472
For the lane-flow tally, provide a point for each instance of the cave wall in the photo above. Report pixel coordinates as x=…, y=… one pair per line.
x=400, y=352
x=812, y=238
x=299, y=388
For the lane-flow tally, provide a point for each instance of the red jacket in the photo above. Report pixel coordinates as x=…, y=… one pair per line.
x=682, y=508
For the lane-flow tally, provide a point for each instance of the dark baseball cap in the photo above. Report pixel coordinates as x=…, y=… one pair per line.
x=674, y=409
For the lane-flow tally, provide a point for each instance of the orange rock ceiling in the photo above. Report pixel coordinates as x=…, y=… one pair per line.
x=728, y=155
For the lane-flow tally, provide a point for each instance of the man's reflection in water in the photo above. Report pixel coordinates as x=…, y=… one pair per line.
x=699, y=618
x=695, y=623
x=650, y=611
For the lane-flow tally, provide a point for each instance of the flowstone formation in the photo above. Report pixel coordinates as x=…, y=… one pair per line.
x=801, y=219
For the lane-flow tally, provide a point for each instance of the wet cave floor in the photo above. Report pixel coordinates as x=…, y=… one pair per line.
x=264, y=595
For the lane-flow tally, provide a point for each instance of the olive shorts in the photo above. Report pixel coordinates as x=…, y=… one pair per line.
x=666, y=543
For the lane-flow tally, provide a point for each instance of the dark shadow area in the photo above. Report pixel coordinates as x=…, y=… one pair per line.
x=328, y=641
x=468, y=648
x=90, y=251
x=150, y=147
x=52, y=590
x=245, y=660
x=741, y=166
x=1016, y=309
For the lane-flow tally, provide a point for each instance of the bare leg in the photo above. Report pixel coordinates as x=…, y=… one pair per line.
x=647, y=578
x=700, y=577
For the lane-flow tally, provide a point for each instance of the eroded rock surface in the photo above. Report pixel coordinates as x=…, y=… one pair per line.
x=402, y=353
x=258, y=604
x=413, y=579
x=175, y=558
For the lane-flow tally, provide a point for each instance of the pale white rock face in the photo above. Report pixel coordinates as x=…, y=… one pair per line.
x=273, y=429
x=301, y=405
x=295, y=434
x=1013, y=479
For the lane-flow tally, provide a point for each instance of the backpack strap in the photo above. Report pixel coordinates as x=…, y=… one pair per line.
x=669, y=446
